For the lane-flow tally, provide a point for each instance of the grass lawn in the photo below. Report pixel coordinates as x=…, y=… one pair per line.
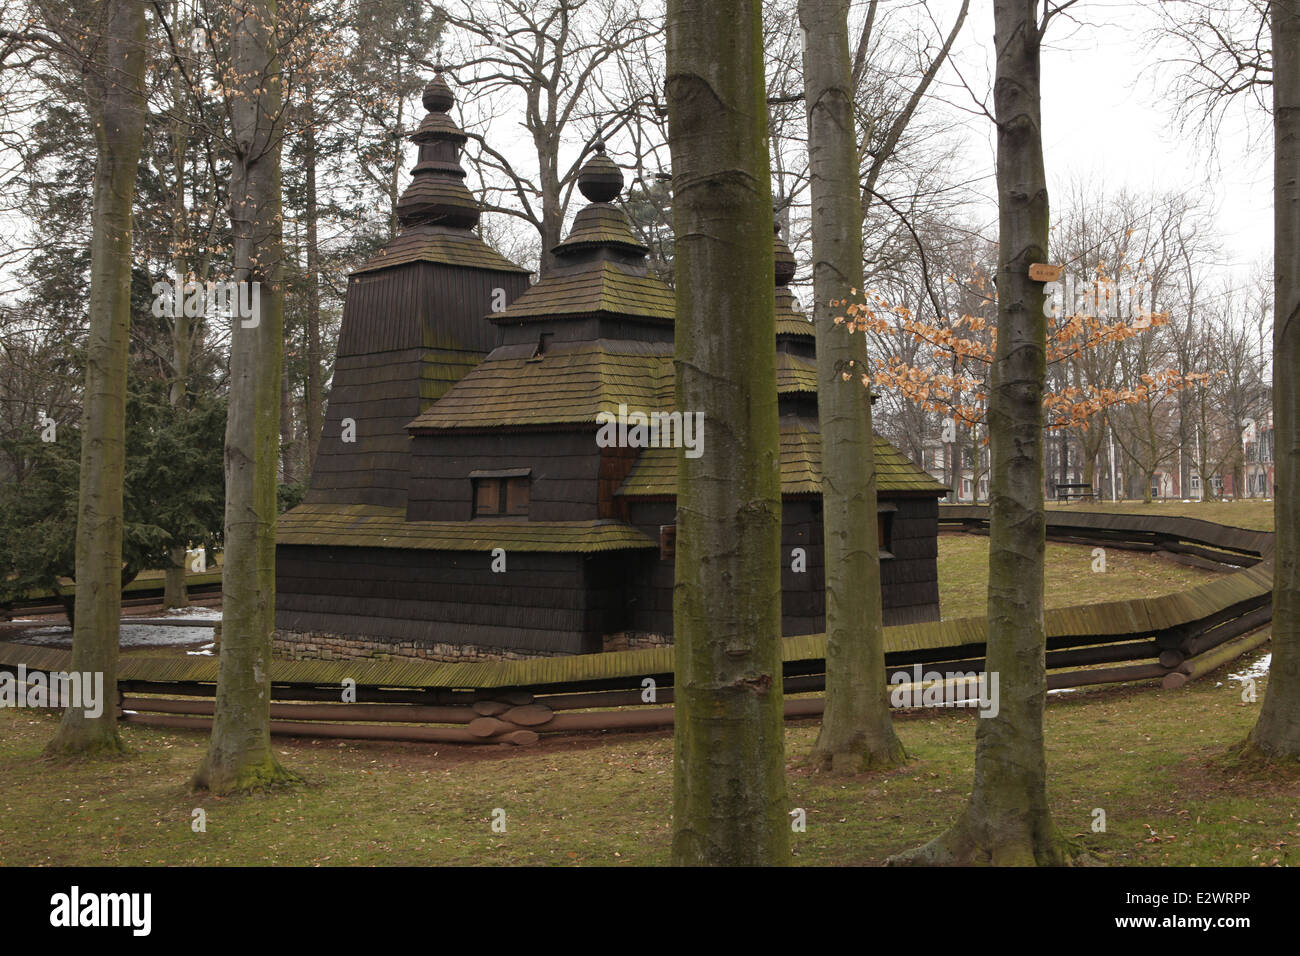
x=1253, y=513
x=1148, y=757
x=1145, y=756
x=964, y=575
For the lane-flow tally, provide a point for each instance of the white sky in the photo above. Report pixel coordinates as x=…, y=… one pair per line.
x=1107, y=119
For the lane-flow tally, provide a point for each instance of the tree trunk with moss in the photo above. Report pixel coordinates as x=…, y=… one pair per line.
x=175, y=592
x=1007, y=821
x=856, y=732
x=729, y=796
x=115, y=95
x=239, y=756
x=1277, y=733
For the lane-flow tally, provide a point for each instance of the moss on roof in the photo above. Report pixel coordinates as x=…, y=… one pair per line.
x=600, y=224
x=794, y=373
x=569, y=384
x=599, y=287
x=373, y=526
x=655, y=472
x=440, y=244
x=789, y=320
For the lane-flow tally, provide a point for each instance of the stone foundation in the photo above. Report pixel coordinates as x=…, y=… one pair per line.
x=634, y=641
x=298, y=646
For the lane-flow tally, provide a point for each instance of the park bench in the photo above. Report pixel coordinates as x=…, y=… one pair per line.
x=1064, y=492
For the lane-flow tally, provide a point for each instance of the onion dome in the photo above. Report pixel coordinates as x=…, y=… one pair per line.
x=600, y=224
x=785, y=267
x=437, y=194
x=790, y=319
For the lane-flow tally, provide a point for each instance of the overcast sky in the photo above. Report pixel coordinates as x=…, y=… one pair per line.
x=1107, y=118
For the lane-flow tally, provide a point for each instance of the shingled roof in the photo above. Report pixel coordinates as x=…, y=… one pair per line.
x=442, y=244
x=594, y=288
x=790, y=321
x=655, y=472
x=372, y=526
x=436, y=210
x=568, y=385
x=795, y=373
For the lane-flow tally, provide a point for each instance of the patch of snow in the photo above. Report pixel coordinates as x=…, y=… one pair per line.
x=195, y=613
x=132, y=635
x=1063, y=690
x=1255, y=670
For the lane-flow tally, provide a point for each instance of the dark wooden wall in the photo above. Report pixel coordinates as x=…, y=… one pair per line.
x=564, y=485
x=409, y=333
x=556, y=603
x=909, y=581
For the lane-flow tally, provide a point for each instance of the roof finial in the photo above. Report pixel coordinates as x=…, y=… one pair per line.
x=600, y=180
x=437, y=194
x=438, y=97
x=784, y=258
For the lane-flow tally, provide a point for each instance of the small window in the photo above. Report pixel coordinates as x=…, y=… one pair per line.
x=501, y=493
x=487, y=496
x=885, y=529
x=667, y=542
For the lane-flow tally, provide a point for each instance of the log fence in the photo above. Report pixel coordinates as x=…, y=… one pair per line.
x=1174, y=639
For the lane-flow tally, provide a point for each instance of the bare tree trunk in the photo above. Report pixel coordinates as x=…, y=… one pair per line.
x=552, y=213
x=115, y=95
x=1007, y=820
x=286, y=444
x=239, y=753
x=1277, y=734
x=314, y=377
x=856, y=733
x=398, y=154
x=729, y=796
x=175, y=593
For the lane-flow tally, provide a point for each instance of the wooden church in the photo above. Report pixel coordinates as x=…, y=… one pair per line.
x=462, y=503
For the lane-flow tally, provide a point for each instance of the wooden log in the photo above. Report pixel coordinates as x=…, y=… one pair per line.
x=1106, y=675
x=516, y=697
x=604, y=698
x=804, y=707
x=489, y=708
x=644, y=719
x=639, y=719
x=1227, y=631
x=528, y=715
x=1192, y=561
x=375, y=713
x=1138, y=650
x=521, y=738
x=285, y=728
x=585, y=700
x=1200, y=666
x=334, y=693
x=490, y=727
x=1222, y=557
x=1172, y=657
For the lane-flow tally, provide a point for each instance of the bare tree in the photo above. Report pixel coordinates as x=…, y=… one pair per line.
x=729, y=740
x=1007, y=820
x=107, y=42
x=856, y=732
x=239, y=755
x=552, y=56
x=1277, y=733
